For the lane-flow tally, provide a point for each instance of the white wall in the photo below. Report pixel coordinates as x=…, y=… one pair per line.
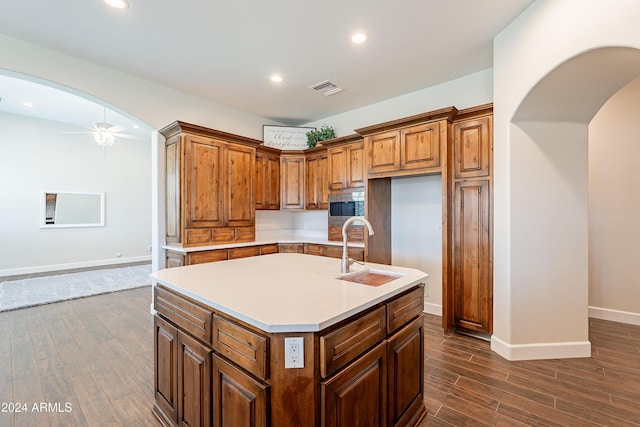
x=37, y=156
x=540, y=252
x=614, y=208
x=416, y=224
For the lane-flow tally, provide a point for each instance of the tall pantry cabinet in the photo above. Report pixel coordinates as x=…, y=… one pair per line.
x=210, y=192
x=470, y=293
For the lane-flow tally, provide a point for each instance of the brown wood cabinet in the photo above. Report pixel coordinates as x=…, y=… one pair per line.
x=357, y=396
x=406, y=151
x=471, y=270
x=292, y=181
x=346, y=162
x=239, y=400
x=194, y=382
x=472, y=148
x=291, y=248
x=212, y=369
x=210, y=194
x=166, y=370
x=316, y=179
x=406, y=393
x=267, y=178
x=468, y=294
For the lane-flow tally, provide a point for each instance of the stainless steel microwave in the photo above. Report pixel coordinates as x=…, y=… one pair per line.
x=344, y=205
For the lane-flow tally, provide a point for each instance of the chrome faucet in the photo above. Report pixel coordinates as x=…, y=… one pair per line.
x=346, y=261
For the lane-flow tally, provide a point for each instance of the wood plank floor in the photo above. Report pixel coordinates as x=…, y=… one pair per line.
x=468, y=385
x=90, y=362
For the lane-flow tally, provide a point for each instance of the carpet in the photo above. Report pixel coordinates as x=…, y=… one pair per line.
x=15, y=294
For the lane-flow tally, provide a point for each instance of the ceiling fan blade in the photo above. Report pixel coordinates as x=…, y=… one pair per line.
x=115, y=129
x=125, y=136
x=87, y=131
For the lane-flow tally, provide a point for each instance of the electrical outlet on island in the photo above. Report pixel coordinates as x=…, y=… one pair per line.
x=294, y=352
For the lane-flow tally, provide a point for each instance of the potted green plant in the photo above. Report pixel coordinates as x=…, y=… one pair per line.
x=323, y=133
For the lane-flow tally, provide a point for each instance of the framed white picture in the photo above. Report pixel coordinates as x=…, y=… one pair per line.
x=285, y=137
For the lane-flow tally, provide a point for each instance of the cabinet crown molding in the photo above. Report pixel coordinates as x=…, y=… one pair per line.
x=477, y=111
x=341, y=140
x=178, y=127
x=447, y=113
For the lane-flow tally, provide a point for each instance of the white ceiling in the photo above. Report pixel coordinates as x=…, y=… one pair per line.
x=226, y=51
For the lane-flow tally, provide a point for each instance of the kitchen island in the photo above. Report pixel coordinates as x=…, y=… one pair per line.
x=287, y=340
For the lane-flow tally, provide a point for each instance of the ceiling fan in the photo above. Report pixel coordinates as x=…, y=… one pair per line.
x=105, y=134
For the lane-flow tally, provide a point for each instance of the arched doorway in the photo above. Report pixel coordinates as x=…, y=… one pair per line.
x=548, y=202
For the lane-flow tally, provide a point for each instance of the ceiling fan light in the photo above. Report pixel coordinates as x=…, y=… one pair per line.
x=118, y=4
x=104, y=139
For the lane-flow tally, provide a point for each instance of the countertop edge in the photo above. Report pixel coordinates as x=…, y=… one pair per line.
x=271, y=241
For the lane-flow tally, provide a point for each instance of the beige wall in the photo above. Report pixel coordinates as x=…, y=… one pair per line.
x=614, y=208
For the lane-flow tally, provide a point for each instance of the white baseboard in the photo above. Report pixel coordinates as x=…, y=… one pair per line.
x=72, y=266
x=435, y=309
x=614, y=315
x=561, y=350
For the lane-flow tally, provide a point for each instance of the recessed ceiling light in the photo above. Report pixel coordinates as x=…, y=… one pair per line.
x=118, y=4
x=276, y=78
x=28, y=104
x=358, y=38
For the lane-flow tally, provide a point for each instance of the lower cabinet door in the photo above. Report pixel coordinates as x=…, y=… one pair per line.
x=357, y=395
x=406, y=374
x=238, y=399
x=166, y=370
x=194, y=382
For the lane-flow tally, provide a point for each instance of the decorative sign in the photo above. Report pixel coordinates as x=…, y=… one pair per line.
x=285, y=137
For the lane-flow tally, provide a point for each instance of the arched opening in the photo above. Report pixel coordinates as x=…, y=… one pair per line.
x=52, y=149
x=549, y=203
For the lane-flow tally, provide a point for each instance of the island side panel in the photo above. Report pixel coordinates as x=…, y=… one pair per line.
x=295, y=392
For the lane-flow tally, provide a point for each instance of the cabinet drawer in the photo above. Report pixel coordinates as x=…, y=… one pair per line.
x=224, y=234
x=197, y=236
x=207, y=256
x=245, y=234
x=313, y=249
x=291, y=248
x=401, y=310
x=339, y=347
x=269, y=249
x=186, y=314
x=242, y=346
x=244, y=252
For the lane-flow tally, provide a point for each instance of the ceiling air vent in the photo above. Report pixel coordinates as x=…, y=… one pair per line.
x=326, y=88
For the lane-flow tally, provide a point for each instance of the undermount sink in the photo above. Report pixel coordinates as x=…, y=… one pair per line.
x=370, y=277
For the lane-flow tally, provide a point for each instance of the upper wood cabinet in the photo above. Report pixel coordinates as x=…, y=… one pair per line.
x=415, y=149
x=316, y=179
x=346, y=162
x=210, y=191
x=292, y=181
x=409, y=146
x=267, y=178
x=472, y=148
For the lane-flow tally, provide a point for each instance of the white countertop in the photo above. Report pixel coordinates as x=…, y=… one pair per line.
x=265, y=239
x=284, y=292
